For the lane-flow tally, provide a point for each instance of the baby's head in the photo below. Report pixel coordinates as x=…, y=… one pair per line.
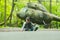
x=28, y=19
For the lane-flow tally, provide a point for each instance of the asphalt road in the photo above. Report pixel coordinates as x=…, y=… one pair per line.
x=31, y=35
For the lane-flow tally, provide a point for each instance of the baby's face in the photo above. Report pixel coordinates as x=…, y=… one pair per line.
x=28, y=21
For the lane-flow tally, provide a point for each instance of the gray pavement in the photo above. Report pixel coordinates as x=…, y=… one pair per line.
x=31, y=35
x=17, y=34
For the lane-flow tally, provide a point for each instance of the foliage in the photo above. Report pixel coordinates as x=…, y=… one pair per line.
x=22, y=3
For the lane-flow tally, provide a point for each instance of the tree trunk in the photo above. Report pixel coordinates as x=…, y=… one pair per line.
x=12, y=11
x=50, y=6
x=5, y=14
x=40, y=1
x=56, y=11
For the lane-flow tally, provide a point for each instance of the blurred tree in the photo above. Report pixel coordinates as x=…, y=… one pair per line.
x=50, y=6
x=56, y=12
x=12, y=10
x=5, y=14
x=40, y=1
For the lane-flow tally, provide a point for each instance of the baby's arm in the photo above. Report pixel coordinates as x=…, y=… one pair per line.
x=23, y=26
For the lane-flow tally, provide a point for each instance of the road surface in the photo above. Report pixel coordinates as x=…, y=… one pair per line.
x=46, y=34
